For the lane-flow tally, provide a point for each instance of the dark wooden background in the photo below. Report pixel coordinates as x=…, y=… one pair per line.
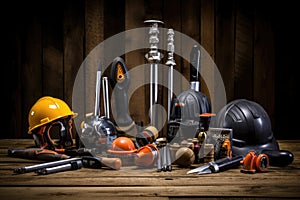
x=253, y=43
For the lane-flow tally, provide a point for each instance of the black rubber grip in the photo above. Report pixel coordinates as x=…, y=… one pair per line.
x=195, y=63
x=279, y=158
x=230, y=163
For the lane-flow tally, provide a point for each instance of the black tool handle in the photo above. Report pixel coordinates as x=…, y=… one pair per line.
x=230, y=163
x=123, y=118
x=279, y=158
x=222, y=160
x=195, y=63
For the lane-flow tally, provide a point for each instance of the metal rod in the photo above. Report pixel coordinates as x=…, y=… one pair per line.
x=105, y=97
x=97, y=97
x=171, y=63
x=168, y=158
x=44, y=165
x=163, y=159
x=153, y=57
x=151, y=92
x=155, y=83
x=60, y=168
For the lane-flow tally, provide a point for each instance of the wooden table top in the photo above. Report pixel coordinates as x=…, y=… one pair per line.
x=86, y=183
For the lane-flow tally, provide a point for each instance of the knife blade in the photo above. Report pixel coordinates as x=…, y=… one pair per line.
x=230, y=163
x=217, y=166
x=206, y=166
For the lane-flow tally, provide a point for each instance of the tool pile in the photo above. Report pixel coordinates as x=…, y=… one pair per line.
x=239, y=134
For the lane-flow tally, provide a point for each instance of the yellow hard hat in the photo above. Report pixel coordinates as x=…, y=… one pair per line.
x=47, y=109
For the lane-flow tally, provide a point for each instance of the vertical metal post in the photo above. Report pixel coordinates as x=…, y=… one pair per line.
x=153, y=57
x=97, y=97
x=105, y=97
x=170, y=62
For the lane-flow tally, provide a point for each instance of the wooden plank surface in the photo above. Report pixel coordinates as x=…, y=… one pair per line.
x=243, y=68
x=85, y=183
x=264, y=59
x=52, y=60
x=134, y=18
x=73, y=48
x=224, y=44
x=208, y=43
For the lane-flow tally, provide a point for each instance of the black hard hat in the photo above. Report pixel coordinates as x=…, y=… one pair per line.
x=252, y=130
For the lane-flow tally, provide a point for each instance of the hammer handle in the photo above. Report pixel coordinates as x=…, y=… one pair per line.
x=114, y=163
x=99, y=162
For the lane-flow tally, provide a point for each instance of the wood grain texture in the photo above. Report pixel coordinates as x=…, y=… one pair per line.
x=264, y=60
x=73, y=45
x=85, y=183
x=94, y=35
x=52, y=41
x=134, y=18
x=73, y=48
x=224, y=55
x=190, y=25
x=243, y=70
x=251, y=44
x=208, y=43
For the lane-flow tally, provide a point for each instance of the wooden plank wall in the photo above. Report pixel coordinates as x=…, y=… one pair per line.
x=47, y=42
